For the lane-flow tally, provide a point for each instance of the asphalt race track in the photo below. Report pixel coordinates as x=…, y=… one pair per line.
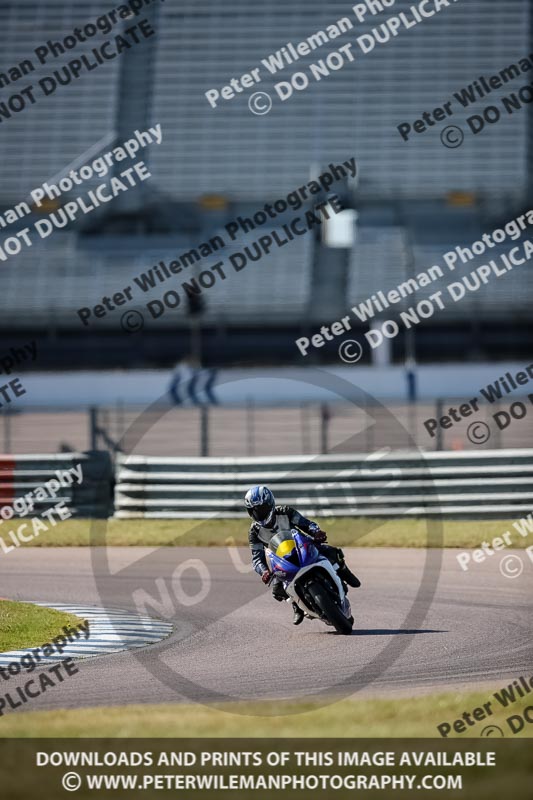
x=233, y=641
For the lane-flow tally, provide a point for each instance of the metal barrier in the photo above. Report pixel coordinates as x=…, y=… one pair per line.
x=489, y=483
x=81, y=481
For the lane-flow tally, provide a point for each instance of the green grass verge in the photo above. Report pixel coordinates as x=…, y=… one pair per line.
x=343, y=531
x=26, y=625
x=360, y=718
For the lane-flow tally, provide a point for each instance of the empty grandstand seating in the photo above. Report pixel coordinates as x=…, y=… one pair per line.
x=353, y=112
x=48, y=283
x=379, y=261
x=201, y=44
x=42, y=140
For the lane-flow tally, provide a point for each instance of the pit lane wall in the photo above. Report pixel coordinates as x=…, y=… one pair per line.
x=491, y=483
x=35, y=484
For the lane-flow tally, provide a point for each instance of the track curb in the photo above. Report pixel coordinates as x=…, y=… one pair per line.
x=111, y=630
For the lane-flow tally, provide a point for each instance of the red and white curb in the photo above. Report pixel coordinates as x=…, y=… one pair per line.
x=111, y=630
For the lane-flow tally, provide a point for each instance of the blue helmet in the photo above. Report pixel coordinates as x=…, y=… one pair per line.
x=260, y=505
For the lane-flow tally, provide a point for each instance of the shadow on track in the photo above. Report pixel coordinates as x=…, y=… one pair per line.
x=391, y=632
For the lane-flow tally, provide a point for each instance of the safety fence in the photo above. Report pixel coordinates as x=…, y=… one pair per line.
x=82, y=482
x=258, y=431
x=383, y=484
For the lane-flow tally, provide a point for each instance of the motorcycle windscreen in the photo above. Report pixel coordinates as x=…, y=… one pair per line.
x=283, y=539
x=283, y=554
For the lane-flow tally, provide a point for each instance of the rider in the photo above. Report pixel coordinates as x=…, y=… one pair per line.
x=268, y=519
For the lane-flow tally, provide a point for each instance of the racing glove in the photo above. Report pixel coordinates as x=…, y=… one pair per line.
x=265, y=577
x=320, y=536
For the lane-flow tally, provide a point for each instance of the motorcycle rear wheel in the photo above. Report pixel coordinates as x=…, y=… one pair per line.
x=330, y=609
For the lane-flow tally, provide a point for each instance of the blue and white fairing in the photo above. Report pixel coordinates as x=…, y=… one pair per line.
x=292, y=556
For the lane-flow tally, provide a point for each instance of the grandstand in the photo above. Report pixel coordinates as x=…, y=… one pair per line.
x=414, y=200
x=379, y=260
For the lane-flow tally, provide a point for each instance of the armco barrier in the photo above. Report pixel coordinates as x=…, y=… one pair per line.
x=487, y=483
x=21, y=474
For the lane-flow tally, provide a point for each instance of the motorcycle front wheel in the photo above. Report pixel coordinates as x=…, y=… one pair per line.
x=329, y=608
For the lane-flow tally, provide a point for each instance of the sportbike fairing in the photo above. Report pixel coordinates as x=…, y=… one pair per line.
x=288, y=552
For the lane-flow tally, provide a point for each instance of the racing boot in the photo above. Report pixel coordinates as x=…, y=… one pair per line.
x=298, y=614
x=278, y=590
x=345, y=573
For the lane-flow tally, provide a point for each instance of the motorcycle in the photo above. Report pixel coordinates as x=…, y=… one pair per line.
x=310, y=580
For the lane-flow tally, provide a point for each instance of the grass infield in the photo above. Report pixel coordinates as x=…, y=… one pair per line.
x=359, y=718
x=343, y=531
x=27, y=625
